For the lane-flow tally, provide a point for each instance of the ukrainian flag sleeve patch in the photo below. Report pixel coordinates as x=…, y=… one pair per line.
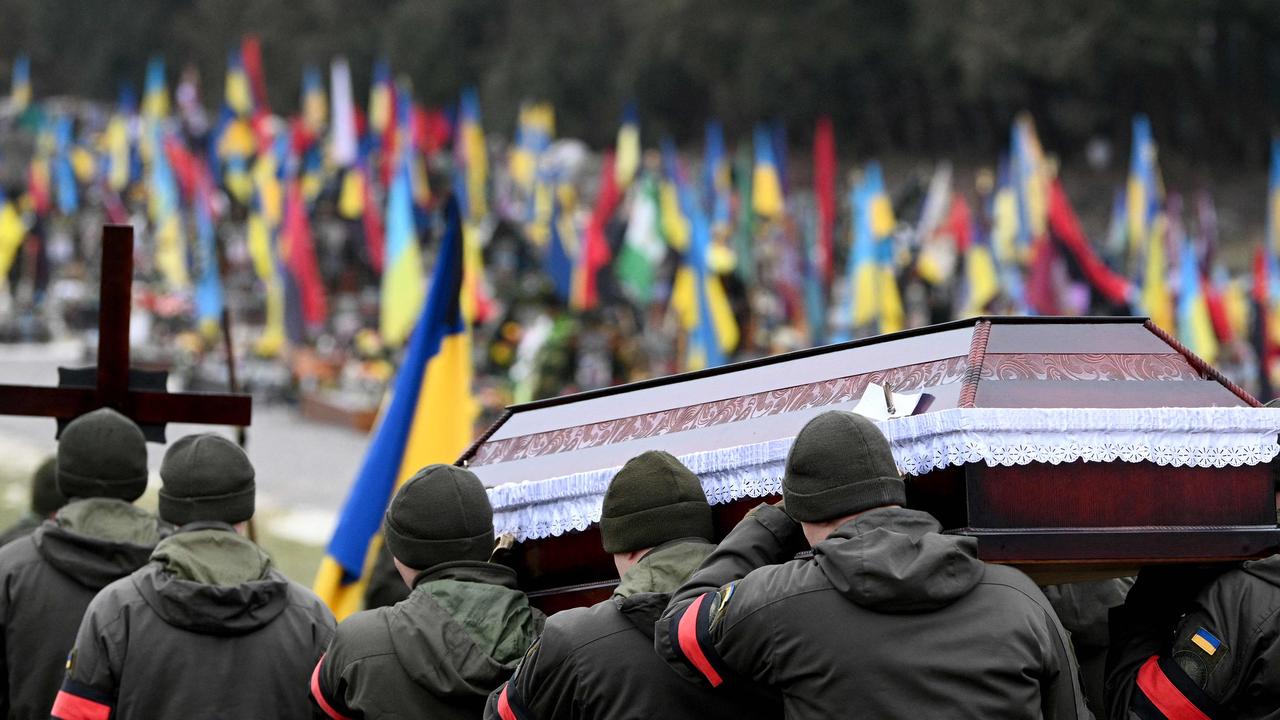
x=1206, y=641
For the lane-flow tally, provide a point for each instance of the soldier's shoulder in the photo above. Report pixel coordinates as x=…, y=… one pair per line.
x=1013, y=587
x=570, y=630
x=16, y=553
x=361, y=636
x=780, y=583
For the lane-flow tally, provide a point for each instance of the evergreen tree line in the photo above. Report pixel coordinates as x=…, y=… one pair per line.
x=937, y=77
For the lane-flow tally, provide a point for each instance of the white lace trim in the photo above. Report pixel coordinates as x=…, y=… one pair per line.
x=1179, y=437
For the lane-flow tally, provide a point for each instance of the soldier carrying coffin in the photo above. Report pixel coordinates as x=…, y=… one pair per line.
x=890, y=616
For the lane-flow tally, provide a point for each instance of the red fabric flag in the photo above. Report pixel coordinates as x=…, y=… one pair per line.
x=1042, y=296
x=1217, y=312
x=251, y=55
x=824, y=185
x=374, y=230
x=595, y=247
x=1065, y=227
x=960, y=223
x=300, y=258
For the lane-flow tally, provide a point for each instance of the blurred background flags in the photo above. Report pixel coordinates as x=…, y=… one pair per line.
x=766, y=185
x=627, y=160
x=824, y=190
x=155, y=97
x=697, y=296
x=343, y=143
x=1142, y=196
x=402, y=289
x=1195, y=328
x=20, y=87
x=426, y=419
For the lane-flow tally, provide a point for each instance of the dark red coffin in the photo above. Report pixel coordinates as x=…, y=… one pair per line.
x=1070, y=447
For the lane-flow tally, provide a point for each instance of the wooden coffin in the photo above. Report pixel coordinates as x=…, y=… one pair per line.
x=1070, y=447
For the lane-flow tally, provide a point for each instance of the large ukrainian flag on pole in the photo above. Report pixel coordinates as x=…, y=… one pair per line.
x=427, y=419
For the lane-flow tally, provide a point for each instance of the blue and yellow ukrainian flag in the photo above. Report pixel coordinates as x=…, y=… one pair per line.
x=766, y=184
x=20, y=89
x=1195, y=328
x=1142, y=197
x=236, y=92
x=155, y=98
x=402, y=289
x=1030, y=183
x=473, y=156
x=427, y=419
x=1272, y=244
x=874, y=297
x=697, y=294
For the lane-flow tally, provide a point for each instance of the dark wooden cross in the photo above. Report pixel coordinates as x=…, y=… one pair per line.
x=134, y=393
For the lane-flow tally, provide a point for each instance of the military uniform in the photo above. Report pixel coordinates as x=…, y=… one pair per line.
x=208, y=629
x=598, y=662
x=47, y=581
x=1215, y=656
x=889, y=617
x=437, y=654
x=459, y=634
x=1083, y=608
x=223, y=634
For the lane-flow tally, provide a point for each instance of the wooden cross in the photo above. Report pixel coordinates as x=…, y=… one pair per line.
x=148, y=407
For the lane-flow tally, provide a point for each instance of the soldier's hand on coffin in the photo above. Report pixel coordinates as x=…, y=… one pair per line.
x=774, y=517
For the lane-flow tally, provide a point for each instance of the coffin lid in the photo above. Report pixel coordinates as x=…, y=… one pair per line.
x=989, y=379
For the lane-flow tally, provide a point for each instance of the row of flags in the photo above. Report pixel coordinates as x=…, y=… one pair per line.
x=710, y=217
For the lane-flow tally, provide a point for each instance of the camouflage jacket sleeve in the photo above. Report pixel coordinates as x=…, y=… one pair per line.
x=712, y=630
x=1196, y=665
x=93, y=665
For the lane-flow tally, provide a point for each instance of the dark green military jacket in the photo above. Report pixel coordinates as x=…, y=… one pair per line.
x=46, y=582
x=1221, y=659
x=1083, y=608
x=437, y=654
x=207, y=629
x=889, y=619
x=598, y=662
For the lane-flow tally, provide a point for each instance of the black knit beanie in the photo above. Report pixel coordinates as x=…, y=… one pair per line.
x=45, y=498
x=206, y=478
x=102, y=454
x=840, y=464
x=441, y=514
x=653, y=499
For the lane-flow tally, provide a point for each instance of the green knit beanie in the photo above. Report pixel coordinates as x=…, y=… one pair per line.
x=840, y=464
x=102, y=454
x=440, y=515
x=45, y=498
x=206, y=478
x=653, y=499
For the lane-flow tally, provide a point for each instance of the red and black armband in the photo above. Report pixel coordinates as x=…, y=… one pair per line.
x=511, y=704
x=690, y=637
x=77, y=701
x=1166, y=692
x=331, y=706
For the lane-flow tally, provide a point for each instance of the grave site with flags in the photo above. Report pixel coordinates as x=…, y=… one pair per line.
x=398, y=378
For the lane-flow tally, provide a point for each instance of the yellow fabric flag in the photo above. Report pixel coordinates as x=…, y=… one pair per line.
x=12, y=231
x=351, y=195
